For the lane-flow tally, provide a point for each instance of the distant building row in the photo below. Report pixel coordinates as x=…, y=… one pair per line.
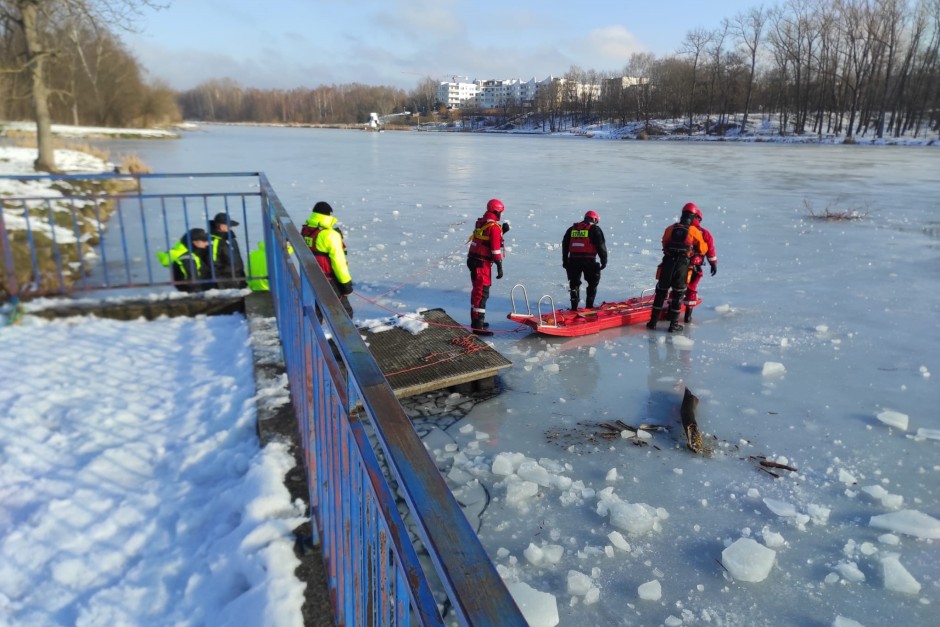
x=489, y=94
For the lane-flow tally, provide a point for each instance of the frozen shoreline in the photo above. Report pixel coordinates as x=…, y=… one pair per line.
x=629, y=132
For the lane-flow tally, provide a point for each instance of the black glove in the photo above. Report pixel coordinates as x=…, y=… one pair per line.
x=564, y=264
x=714, y=268
x=505, y=227
x=499, y=269
x=603, y=265
x=345, y=288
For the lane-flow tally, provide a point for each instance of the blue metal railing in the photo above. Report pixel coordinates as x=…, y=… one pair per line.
x=361, y=452
x=95, y=237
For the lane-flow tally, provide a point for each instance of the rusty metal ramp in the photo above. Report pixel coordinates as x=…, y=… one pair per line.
x=441, y=356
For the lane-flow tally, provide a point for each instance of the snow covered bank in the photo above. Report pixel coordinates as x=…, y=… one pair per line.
x=66, y=130
x=133, y=486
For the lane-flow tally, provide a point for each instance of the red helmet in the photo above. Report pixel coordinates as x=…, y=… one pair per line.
x=495, y=205
x=691, y=207
x=591, y=215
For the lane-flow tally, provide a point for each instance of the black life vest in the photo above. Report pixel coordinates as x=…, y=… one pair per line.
x=680, y=241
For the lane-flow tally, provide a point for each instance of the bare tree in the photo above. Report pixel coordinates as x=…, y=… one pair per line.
x=640, y=69
x=749, y=27
x=914, y=37
x=36, y=19
x=424, y=96
x=694, y=47
x=856, y=19
x=548, y=100
x=27, y=15
x=718, y=67
x=894, y=17
x=925, y=73
x=572, y=89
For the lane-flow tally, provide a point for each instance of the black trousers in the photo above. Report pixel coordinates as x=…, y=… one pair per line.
x=674, y=275
x=591, y=271
x=342, y=298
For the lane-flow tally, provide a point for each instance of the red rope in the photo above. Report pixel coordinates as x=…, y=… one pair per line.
x=467, y=344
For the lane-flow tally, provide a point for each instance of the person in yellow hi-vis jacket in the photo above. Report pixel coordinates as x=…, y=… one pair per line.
x=190, y=260
x=326, y=244
x=258, y=268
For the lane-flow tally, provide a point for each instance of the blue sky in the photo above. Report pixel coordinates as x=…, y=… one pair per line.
x=296, y=43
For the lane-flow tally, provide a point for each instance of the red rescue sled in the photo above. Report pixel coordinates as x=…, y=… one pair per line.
x=570, y=323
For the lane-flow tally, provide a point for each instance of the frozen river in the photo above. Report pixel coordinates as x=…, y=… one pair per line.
x=810, y=330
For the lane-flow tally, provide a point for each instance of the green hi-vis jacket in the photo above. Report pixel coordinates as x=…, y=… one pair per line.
x=326, y=244
x=258, y=267
x=175, y=256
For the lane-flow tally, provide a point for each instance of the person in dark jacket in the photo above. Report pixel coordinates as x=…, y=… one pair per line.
x=581, y=247
x=229, y=267
x=189, y=261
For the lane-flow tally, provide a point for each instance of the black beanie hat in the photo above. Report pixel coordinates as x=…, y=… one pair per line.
x=195, y=235
x=323, y=207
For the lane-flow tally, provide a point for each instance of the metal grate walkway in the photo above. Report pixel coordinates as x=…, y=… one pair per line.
x=441, y=356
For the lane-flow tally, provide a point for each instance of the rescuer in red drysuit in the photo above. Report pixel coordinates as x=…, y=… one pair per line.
x=681, y=241
x=697, y=261
x=486, y=248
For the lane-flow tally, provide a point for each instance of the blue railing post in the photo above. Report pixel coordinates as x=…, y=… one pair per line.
x=11, y=285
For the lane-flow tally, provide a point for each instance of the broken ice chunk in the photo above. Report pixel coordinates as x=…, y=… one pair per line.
x=748, y=560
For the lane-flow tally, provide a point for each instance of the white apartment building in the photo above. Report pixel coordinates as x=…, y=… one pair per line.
x=496, y=93
x=456, y=93
x=507, y=93
x=623, y=82
x=489, y=94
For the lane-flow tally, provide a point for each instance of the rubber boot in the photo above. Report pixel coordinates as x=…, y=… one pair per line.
x=574, y=305
x=477, y=326
x=674, y=325
x=654, y=317
x=589, y=303
x=688, y=314
x=479, y=317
